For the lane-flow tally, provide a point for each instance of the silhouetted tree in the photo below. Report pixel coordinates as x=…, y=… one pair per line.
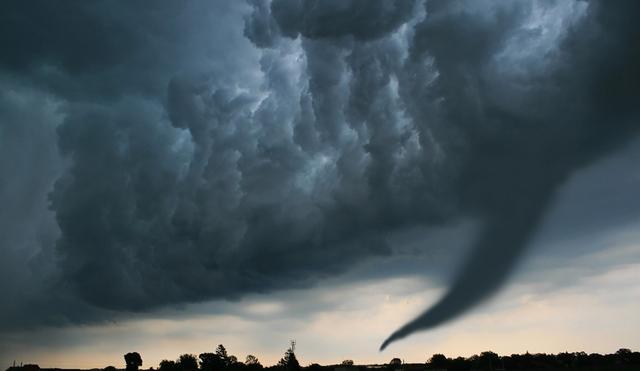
x=458, y=364
x=289, y=362
x=166, y=365
x=581, y=359
x=211, y=362
x=252, y=363
x=347, y=362
x=221, y=351
x=188, y=362
x=438, y=361
x=234, y=364
x=133, y=361
x=489, y=360
x=110, y=368
x=624, y=355
x=565, y=359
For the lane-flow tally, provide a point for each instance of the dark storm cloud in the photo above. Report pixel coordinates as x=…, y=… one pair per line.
x=361, y=19
x=519, y=154
x=30, y=165
x=218, y=150
x=82, y=75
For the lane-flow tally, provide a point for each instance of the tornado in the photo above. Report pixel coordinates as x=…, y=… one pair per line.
x=493, y=258
x=511, y=200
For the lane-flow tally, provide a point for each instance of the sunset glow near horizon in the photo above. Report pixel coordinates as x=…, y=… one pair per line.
x=451, y=176
x=524, y=318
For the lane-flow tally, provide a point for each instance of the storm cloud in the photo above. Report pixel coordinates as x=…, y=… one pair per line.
x=207, y=151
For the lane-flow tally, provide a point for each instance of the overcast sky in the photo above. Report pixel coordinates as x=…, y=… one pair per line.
x=456, y=175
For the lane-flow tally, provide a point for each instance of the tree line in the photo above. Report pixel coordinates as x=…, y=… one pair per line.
x=623, y=359
x=219, y=360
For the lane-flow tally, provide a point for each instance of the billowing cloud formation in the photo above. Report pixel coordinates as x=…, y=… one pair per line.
x=218, y=150
x=526, y=145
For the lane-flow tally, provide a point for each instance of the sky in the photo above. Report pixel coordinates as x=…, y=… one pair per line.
x=419, y=176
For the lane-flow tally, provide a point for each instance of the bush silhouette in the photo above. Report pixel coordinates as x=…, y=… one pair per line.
x=438, y=361
x=166, y=365
x=188, y=362
x=133, y=361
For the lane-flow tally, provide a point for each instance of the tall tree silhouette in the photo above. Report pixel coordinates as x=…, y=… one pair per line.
x=221, y=352
x=289, y=362
x=133, y=361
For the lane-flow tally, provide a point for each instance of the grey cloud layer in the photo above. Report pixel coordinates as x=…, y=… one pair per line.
x=218, y=150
